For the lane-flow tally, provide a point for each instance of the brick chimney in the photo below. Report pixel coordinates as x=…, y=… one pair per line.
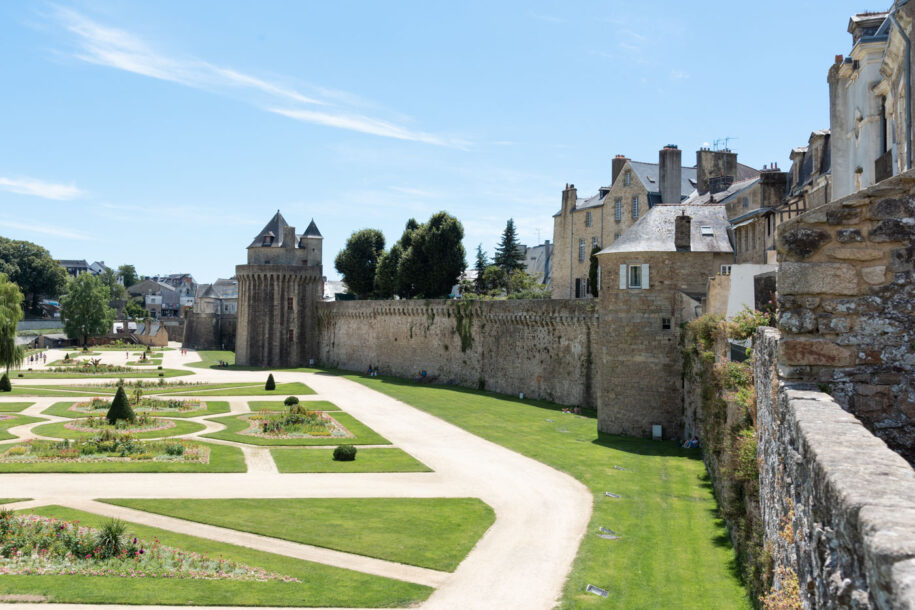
x=682, y=225
x=618, y=162
x=569, y=198
x=715, y=169
x=669, y=169
x=289, y=237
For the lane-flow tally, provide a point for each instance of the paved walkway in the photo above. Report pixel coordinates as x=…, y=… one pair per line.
x=521, y=562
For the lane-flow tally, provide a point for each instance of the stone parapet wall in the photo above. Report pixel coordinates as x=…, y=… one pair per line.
x=847, y=305
x=210, y=331
x=539, y=347
x=838, y=505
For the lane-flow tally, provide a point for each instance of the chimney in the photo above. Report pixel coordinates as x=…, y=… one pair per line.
x=288, y=237
x=669, y=169
x=721, y=164
x=618, y=162
x=682, y=225
x=569, y=198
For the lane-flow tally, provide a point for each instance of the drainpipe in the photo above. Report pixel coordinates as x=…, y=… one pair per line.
x=908, y=88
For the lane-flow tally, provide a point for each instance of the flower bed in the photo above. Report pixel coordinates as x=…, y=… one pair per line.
x=33, y=545
x=107, y=447
x=142, y=423
x=99, y=406
x=6, y=416
x=295, y=422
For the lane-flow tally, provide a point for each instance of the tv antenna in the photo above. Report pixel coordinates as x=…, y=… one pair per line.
x=723, y=143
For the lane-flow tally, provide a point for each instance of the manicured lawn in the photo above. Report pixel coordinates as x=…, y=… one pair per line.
x=14, y=407
x=137, y=374
x=434, y=533
x=222, y=459
x=16, y=420
x=367, y=460
x=10, y=500
x=321, y=585
x=210, y=407
x=57, y=430
x=56, y=390
x=277, y=405
x=236, y=389
x=674, y=550
x=209, y=359
x=363, y=435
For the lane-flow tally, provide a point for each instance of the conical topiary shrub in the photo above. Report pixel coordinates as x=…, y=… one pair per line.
x=271, y=384
x=5, y=385
x=120, y=408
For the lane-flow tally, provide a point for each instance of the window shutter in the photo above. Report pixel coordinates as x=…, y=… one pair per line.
x=645, y=283
x=623, y=282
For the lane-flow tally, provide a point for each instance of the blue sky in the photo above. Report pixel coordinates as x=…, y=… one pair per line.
x=166, y=134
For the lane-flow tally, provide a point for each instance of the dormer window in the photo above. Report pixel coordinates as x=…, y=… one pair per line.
x=268, y=240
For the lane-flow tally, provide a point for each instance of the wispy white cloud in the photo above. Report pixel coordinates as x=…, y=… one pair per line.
x=183, y=213
x=119, y=49
x=43, y=229
x=40, y=188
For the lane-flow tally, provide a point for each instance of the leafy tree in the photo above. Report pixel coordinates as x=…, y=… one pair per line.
x=134, y=310
x=358, y=261
x=129, y=275
x=523, y=285
x=388, y=272
x=495, y=280
x=31, y=267
x=434, y=261
x=10, y=314
x=116, y=290
x=592, y=271
x=480, y=266
x=508, y=255
x=120, y=408
x=84, y=308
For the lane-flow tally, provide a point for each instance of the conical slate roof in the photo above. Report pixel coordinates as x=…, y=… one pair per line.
x=273, y=228
x=312, y=230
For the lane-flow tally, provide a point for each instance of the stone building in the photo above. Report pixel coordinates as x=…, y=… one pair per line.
x=159, y=299
x=278, y=291
x=651, y=278
x=810, y=177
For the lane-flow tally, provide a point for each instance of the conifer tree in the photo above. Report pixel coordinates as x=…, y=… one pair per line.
x=480, y=267
x=271, y=384
x=120, y=408
x=508, y=255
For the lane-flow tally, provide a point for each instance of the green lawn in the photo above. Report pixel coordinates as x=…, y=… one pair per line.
x=363, y=435
x=137, y=374
x=56, y=390
x=14, y=407
x=674, y=550
x=210, y=407
x=209, y=359
x=241, y=389
x=153, y=389
x=57, y=430
x=321, y=585
x=434, y=533
x=277, y=405
x=223, y=458
x=367, y=460
x=11, y=500
x=16, y=420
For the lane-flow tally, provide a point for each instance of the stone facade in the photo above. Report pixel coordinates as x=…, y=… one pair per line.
x=838, y=506
x=847, y=305
x=210, y=331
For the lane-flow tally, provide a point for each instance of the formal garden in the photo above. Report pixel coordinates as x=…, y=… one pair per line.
x=170, y=407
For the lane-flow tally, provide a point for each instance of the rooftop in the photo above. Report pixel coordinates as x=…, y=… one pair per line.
x=654, y=232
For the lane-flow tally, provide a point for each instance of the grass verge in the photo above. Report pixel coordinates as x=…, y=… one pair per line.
x=14, y=407
x=223, y=458
x=434, y=533
x=367, y=460
x=362, y=434
x=277, y=405
x=674, y=549
x=321, y=585
x=15, y=420
x=57, y=430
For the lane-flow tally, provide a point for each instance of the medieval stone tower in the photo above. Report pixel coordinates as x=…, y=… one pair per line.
x=278, y=291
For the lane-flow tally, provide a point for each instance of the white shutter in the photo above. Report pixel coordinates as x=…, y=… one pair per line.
x=623, y=282
x=645, y=283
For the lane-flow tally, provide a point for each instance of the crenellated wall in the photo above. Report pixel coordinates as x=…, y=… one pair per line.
x=542, y=348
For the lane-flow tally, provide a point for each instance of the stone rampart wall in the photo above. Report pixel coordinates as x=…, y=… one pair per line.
x=542, y=348
x=210, y=331
x=838, y=505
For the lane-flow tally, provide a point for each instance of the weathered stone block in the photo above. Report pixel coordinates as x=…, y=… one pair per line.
x=874, y=275
x=801, y=242
x=893, y=229
x=817, y=278
x=901, y=259
x=891, y=208
x=845, y=236
x=814, y=352
x=842, y=216
x=829, y=323
x=854, y=254
x=797, y=321
x=861, y=305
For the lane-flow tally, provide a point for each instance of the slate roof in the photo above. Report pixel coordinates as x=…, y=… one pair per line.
x=649, y=174
x=275, y=228
x=73, y=263
x=222, y=289
x=721, y=196
x=654, y=232
x=312, y=230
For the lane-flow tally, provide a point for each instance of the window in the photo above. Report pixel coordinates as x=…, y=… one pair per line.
x=619, y=209
x=587, y=219
x=291, y=335
x=635, y=276
x=578, y=288
x=593, y=242
x=706, y=231
x=746, y=202
x=725, y=270
x=268, y=240
x=587, y=291
x=289, y=303
x=598, y=278
x=627, y=178
x=665, y=323
x=581, y=249
x=635, y=206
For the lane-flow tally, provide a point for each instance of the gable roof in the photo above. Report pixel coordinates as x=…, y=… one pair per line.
x=273, y=228
x=649, y=175
x=654, y=232
x=721, y=196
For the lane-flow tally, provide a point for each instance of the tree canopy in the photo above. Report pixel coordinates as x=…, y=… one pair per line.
x=33, y=270
x=509, y=256
x=84, y=308
x=129, y=275
x=593, y=271
x=10, y=314
x=433, y=263
x=116, y=291
x=358, y=261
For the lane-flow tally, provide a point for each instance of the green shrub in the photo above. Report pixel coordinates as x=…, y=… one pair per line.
x=5, y=385
x=120, y=408
x=271, y=384
x=174, y=449
x=344, y=453
x=109, y=539
x=291, y=400
x=159, y=367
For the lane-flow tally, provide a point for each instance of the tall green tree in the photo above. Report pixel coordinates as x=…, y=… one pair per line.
x=482, y=262
x=31, y=268
x=115, y=289
x=84, y=308
x=129, y=275
x=387, y=273
x=509, y=255
x=433, y=263
x=10, y=314
x=593, y=271
x=358, y=261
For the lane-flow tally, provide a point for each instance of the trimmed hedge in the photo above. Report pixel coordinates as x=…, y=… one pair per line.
x=120, y=408
x=344, y=453
x=271, y=384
